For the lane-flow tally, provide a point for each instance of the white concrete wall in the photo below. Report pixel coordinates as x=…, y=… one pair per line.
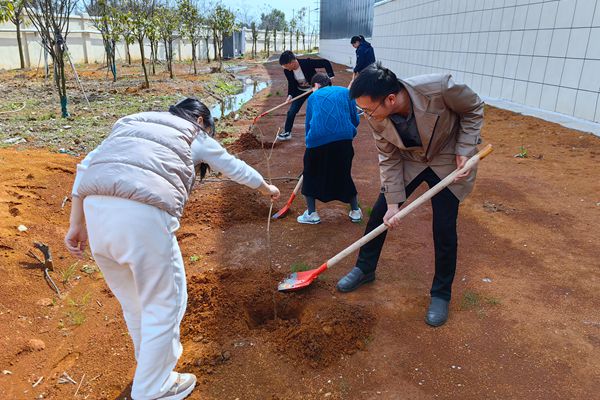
x=540, y=53
x=339, y=51
x=85, y=45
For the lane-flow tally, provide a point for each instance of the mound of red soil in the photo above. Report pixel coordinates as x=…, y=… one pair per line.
x=237, y=306
x=249, y=140
x=231, y=205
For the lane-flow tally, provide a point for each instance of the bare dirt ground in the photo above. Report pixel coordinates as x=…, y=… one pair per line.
x=524, y=320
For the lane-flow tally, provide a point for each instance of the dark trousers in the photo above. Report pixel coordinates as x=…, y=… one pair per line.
x=445, y=213
x=291, y=114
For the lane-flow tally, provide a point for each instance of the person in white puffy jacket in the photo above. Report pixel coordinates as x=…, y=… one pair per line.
x=128, y=196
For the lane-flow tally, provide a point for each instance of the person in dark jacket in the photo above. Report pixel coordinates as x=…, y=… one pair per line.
x=331, y=121
x=365, y=55
x=298, y=73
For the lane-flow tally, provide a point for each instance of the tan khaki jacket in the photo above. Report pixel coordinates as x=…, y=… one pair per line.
x=449, y=118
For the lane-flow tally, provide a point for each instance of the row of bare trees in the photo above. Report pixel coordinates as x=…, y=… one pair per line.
x=273, y=22
x=138, y=22
x=132, y=21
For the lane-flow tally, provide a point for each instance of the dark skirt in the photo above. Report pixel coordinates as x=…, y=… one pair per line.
x=328, y=172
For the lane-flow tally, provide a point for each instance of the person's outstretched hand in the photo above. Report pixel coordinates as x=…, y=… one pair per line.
x=271, y=190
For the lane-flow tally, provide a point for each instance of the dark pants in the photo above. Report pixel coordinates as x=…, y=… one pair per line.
x=445, y=213
x=291, y=114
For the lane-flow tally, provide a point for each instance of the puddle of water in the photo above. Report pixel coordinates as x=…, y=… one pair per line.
x=234, y=102
x=236, y=68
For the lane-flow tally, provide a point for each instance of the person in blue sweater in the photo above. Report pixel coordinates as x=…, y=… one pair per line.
x=331, y=121
x=365, y=55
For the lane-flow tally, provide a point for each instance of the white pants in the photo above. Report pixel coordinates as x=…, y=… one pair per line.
x=136, y=249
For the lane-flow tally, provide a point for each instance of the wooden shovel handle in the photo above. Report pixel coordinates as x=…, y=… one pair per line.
x=282, y=104
x=298, y=185
x=483, y=153
x=410, y=207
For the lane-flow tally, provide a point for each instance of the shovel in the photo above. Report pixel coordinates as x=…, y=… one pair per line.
x=286, y=208
x=281, y=105
x=299, y=280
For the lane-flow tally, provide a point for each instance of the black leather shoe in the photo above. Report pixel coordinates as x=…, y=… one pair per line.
x=437, y=314
x=354, y=279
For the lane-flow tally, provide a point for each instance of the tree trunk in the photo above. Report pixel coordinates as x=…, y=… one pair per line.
x=284, y=32
x=60, y=80
x=215, y=39
x=207, y=49
x=146, y=81
x=220, y=51
x=113, y=60
x=266, y=43
x=18, y=25
x=194, y=44
x=275, y=40
x=152, y=59
x=303, y=41
x=171, y=74
x=128, y=54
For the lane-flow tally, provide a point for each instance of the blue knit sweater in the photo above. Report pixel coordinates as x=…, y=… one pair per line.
x=330, y=116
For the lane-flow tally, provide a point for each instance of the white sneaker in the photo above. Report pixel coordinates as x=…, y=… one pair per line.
x=307, y=218
x=282, y=137
x=355, y=215
x=181, y=389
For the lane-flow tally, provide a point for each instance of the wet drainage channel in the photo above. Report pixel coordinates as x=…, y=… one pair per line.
x=234, y=102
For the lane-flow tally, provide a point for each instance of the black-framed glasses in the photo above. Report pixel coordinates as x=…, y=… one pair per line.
x=370, y=113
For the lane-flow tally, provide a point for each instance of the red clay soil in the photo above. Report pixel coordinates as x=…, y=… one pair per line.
x=524, y=320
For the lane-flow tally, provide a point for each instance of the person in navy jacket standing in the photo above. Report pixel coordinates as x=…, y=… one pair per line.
x=365, y=55
x=299, y=73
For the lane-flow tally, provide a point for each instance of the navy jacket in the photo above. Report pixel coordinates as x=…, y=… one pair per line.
x=308, y=66
x=365, y=56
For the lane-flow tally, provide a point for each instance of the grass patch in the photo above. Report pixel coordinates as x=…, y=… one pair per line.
x=228, y=140
x=227, y=88
x=300, y=267
x=194, y=258
x=470, y=300
x=523, y=153
x=76, y=314
x=474, y=301
x=68, y=273
x=76, y=317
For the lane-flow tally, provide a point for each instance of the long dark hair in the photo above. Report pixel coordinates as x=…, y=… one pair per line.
x=191, y=109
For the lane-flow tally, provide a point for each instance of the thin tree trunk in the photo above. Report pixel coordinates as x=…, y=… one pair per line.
x=113, y=60
x=128, y=54
x=146, y=80
x=171, y=74
x=194, y=44
x=215, y=39
x=152, y=60
x=18, y=24
x=206, y=39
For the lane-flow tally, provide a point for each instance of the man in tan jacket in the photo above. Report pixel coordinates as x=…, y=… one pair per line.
x=424, y=128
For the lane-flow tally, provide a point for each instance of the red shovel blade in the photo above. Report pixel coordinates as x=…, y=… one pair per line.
x=285, y=209
x=300, y=280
